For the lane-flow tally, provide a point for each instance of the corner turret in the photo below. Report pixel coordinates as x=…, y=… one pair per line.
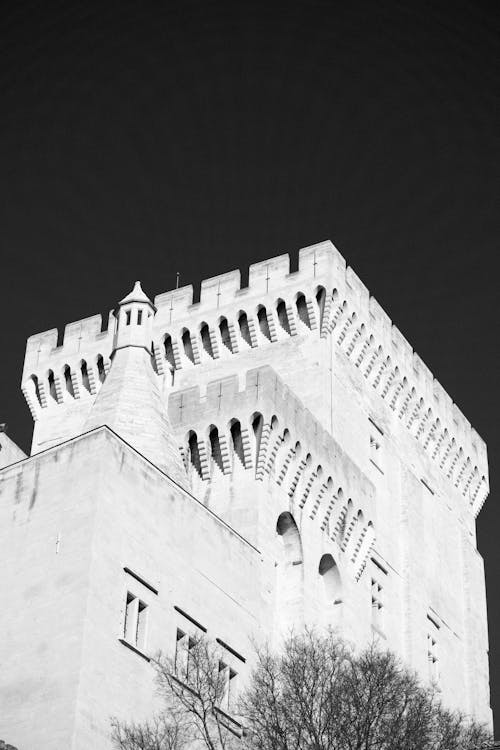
x=130, y=401
x=134, y=320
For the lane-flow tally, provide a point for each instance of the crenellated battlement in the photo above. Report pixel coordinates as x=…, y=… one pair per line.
x=324, y=298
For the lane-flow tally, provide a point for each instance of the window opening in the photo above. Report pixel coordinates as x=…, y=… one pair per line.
x=321, y=300
x=432, y=649
x=377, y=604
x=302, y=310
x=244, y=328
x=52, y=385
x=330, y=575
x=134, y=626
x=169, y=351
x=227, y=677
x=283, y=316
x=68, y=381
x=215, y=448
x=376, y=446
x=432, y=658
x=257, y=426
x=206, y=340
x=85, y=376
x=139, y=317
x=263, y=322
x=194, y=452
x=128, y=315
x=225, y=335
x=37, y=388
x=237, y=441
x=184, y=653
x=100, y=368
x=188, y=346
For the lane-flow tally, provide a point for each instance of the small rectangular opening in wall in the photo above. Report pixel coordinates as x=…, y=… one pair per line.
x=104, y=321
x=294, y=261
x=140, y=579
x=372, y=421
x=427, y=486
x=231, y=650
x=244, y=277
x=191, y=619
x=60, y=337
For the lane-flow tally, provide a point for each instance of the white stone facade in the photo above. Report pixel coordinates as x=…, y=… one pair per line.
x=264, y=458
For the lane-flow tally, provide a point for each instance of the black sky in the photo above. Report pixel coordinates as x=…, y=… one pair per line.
x=138, y=139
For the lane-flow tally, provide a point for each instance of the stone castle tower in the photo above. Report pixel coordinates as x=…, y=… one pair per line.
x=267, y=457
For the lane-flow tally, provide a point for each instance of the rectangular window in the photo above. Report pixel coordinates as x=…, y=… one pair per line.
x=139, y=317
x=135, y=621
x=184, y=655
x=228, y=686
x=377, y=605
x=127, y=320
x=376, y=452
x=432, y=649
x=432, y=658
x=376, y=448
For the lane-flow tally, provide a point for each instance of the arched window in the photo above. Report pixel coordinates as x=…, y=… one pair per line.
x=320, y=301
x=52, y=385
x=330, y=575
x=215, y=450
x=283, y=316
x=302, y=310
x=100, y=368
x=225, y=335
x=205, y=339
x=244, y=328
x=36, y=385
x=187, y=344
x=263, y=322
x=257, y=426
x=169, y=351
x=68, y=381
x=237, y=440
x=290, y=574
x=287, y=529
x=194, y=452
x=85, y=375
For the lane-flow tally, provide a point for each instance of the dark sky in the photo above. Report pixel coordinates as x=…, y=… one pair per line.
x=138, y=139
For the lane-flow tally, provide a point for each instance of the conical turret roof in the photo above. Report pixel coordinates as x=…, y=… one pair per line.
x=136, y=295
x=131, y=404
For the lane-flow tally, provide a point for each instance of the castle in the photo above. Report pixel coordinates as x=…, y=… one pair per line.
x=268, y=457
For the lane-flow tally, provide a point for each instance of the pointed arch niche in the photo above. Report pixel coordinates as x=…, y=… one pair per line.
x=290, y=576
x=332, y=589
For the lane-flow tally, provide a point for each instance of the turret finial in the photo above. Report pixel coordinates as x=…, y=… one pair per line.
x=136, y=295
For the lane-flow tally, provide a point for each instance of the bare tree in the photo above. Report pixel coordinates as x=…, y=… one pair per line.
x=318, y=694
x=194, y=693
x=160, y=733
x=315, y=694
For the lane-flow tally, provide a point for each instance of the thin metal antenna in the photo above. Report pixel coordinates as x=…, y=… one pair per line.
x=178, y=276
